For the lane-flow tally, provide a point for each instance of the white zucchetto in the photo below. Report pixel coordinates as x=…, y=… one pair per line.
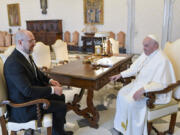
x=152, y=36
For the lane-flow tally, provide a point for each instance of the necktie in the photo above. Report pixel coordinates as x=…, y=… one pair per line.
x=33, y=65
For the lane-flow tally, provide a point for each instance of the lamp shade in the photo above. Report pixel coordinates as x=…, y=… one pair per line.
x=101, y=34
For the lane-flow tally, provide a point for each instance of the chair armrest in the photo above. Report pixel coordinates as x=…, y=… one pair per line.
x=45, y=103
x=36, y=102
x=63, y=62
x=151, y=95
x=126, y=80
x=43, y=68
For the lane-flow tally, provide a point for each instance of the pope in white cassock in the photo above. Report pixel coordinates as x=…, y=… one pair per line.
x=153, y=71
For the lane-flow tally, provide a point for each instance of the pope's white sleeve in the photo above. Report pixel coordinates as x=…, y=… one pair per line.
x=154, y=86
x=132, y=71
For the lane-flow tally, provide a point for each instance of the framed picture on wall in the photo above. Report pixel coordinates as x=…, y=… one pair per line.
x=93, y=11
x=14, y=14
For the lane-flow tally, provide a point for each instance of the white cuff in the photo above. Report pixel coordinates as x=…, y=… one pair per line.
x=50, y=81
x=52, y=90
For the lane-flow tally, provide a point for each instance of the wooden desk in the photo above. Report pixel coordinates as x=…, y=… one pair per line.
x=91, y=40
x=84, y=76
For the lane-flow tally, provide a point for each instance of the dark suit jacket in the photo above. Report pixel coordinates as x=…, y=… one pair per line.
x=23, y=86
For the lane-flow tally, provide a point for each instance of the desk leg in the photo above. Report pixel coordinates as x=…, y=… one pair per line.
x=89, y=112
x=91, y=109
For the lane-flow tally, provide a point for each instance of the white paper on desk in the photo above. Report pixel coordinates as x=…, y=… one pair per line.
x=109, y=61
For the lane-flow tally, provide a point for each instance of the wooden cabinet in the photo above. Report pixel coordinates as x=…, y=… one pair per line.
x=46, y=31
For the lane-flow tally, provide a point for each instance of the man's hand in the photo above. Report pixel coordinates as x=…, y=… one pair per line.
x=57, y=90
x=115, y=77
x=138, y=94
x=54, y=83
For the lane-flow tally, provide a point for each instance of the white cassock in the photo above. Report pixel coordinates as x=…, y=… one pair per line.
x=153, y=72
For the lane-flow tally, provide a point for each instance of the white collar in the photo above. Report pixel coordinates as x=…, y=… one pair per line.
x=152, y=54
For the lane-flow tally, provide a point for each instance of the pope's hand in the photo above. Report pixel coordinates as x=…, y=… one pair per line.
x=115, y=77
x=138, y=94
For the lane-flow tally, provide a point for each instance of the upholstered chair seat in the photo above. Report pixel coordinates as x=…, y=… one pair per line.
x=162, y=110
x=46, y=122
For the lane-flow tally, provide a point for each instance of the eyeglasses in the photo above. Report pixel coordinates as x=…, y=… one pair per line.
x=32, y=41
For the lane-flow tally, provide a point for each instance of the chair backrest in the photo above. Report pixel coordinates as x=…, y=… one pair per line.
x=111, y=35
x=172, y=51
x=8, y=39
x=7, y=52
x=121, y=36
x=3, y=89
x=60, y=50
x=75, y=39
x=2, y=40
x=115, y=46
x=41, y=55
x=67, y=36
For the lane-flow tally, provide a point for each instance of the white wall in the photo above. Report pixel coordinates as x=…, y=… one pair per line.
x=148, y=19
x=176, y=21
x=148, y=15
x=70, y=11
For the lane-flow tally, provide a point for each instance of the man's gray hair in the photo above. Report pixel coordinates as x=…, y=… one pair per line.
x=20, y=35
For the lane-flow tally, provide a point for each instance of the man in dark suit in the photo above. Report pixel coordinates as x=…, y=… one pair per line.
x=26, y=82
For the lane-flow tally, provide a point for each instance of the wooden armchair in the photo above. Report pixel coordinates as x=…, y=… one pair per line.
x=75, y=39
x=67, y=37
x=111, y=35
x=121, y=37
x=42, y=121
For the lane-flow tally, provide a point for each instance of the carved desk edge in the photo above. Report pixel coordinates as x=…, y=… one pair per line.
x=96, y=83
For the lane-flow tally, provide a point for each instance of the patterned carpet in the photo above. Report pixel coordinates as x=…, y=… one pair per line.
x=105, y=102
